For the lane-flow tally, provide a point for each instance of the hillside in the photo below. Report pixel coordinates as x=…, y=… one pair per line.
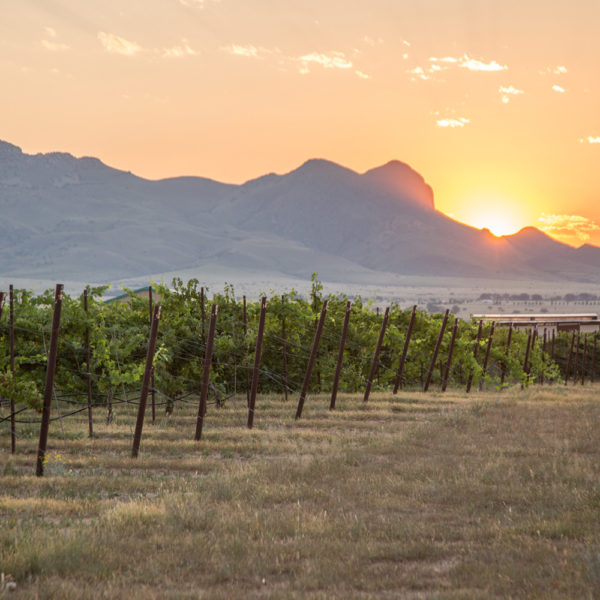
x=67, y=217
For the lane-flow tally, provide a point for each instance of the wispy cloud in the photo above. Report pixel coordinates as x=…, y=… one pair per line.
x=331, y=60
x=557, y=88
x=452, y=123
x=590, y=139
x=248, y=51
x=418, y=73
x=362, y=75
x=50, y=31
x=179, y=51
x=118, y=45
x=558, y=70
x=508, y=92
x=574, y=227
x=54, y=46
x=467, y=62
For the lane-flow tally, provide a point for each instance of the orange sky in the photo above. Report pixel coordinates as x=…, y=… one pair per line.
x=495, y=103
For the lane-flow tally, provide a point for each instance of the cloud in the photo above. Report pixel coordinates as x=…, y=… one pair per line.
x=362, y=75
x=509, y=91
x=558, y=70
x=50, y=31
x=558, y=89
x=236, y=50
x=54, y=46
x=452, y=123
x=118, y=45
x=591, y=139
x=184, y=49
x=472, y=64
x=418, y=73
x=332, y=60
x=568, y=226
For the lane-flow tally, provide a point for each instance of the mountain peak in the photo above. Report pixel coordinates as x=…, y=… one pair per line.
x=9, y=150
x=397, y=177
x=321, y=166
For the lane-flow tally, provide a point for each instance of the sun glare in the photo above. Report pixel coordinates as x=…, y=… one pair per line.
x=500, y=219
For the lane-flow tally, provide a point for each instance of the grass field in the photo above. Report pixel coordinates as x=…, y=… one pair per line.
x=413, y=496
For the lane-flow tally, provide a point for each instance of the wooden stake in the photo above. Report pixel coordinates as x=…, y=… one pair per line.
x=375, y=363
x=311, y=360
x=450, y=351
x=475, y=353
x=11, y=337
x=88, y=364
x=398, y=382
x=436, y=350
x=208, y=351
x=487, y=356
x=506, y=354
x=139, y=424
x=568, y=369
x=49, y=384
x=257, y=356
x=340, y=358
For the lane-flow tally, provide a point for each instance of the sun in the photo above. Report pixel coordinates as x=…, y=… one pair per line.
x=499, y=223
x=502, y=215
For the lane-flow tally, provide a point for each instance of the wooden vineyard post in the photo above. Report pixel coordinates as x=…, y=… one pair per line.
x=88, y=367
x=375, y=363
x=49, y=383
x=436, y=350
x=570, y=357
x=506, y=354
x=593, y=370
x=552, y=346
x=583, y=359
x=487, y=356
x=398, y=382
x=544, y=340
x=202, y=317
x=1, y=304
x=246, y=367
x=139, y=424
x=576, y=362
x=340, y=358
x=311, y=360
x=475, y=353
x=450, y=351
x=257, y=356
x=526, y=360
x=284, y=350
x=208, y=351
x=152, y=394
x=11, y=337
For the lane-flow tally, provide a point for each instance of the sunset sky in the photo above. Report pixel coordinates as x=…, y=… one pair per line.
x=496, y=103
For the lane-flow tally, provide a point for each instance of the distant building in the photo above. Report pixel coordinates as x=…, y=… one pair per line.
x=583, y=322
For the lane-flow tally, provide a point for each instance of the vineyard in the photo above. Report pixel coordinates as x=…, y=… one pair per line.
x=216, y=346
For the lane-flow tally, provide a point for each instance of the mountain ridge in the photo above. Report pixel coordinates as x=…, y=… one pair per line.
x=67, y=216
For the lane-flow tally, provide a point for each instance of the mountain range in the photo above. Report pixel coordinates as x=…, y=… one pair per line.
x=65, y=217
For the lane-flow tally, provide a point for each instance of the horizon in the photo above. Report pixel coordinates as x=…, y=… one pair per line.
x=504, y=130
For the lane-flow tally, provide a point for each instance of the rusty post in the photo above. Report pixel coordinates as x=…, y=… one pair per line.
x=526, y=368
x=11, y=337
x=583, y=358
x=570, y=357
x=202, y=317
x=208, y=352
x=246, y=366
x=139, y=424
x=284, y=348
x=340, y=358
x=576, y=362
x=398, y=382
x=506, y=354
x=152, y=394
x=257, y=356
x=593, y=370
x=1, y=304
x=436, y=350
x=543, y=357
x=475, y=353
x=450, y=351
x=487, y=356
x=49, y=383
x=311, y=360
x=375, y=363
x=88, y=362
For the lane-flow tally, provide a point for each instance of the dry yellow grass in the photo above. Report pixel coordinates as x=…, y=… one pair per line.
x=413, y=496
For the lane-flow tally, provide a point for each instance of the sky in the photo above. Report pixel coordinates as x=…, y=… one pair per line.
x=494, y=102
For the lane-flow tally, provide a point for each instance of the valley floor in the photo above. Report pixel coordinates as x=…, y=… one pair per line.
x=494, y=495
